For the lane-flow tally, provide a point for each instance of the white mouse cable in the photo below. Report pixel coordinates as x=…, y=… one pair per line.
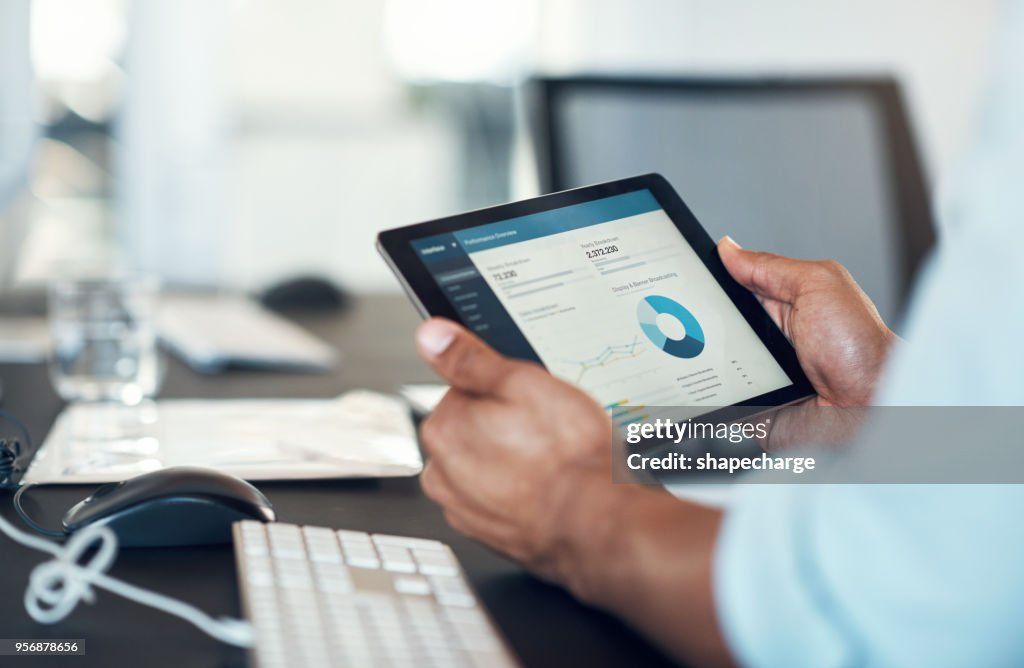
x=56, y=586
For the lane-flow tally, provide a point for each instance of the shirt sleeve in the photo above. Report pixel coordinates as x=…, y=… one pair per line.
x=900, y=575
x=872, y=575
x=769, y=601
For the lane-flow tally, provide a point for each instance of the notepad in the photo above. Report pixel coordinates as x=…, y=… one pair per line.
x=360, y=434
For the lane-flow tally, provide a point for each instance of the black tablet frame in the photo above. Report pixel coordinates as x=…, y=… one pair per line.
x=395, y=246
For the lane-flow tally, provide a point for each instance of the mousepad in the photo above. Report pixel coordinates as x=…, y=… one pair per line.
x=360, y=434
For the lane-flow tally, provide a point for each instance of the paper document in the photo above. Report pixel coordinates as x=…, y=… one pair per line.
x=358, y=435
x=423, y=397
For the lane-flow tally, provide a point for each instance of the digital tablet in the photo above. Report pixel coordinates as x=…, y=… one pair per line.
x=614, y=287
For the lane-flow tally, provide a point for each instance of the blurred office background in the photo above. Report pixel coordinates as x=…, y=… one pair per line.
x=236, y=143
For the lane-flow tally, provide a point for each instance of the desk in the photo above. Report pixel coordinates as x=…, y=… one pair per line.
x=544, y=625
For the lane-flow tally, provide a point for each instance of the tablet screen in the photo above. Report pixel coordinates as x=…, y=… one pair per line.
x=608, y=295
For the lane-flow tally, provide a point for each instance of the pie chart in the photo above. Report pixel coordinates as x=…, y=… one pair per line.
x=647, y=312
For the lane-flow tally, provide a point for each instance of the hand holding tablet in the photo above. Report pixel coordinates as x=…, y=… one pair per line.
x=614, y=287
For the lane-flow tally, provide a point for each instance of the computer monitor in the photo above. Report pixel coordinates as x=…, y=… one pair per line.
x=811, y=168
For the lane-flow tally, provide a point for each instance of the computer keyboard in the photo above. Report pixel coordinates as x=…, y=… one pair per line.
x=320, y=597
x=212, y=331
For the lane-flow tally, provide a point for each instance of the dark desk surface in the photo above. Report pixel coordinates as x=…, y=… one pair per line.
x=544, y=625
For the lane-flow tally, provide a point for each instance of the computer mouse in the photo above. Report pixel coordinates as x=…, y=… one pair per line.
x=180, y=505
x=304, y=292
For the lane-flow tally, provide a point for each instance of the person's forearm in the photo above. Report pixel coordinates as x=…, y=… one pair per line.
x=647, y=557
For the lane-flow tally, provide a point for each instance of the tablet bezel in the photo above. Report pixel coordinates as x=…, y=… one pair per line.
x=395, y=245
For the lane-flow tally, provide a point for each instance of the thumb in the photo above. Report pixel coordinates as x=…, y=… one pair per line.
x=459, y=357
x=766, y=274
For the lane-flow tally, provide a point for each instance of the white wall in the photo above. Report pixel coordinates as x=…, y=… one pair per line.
x=17, y=131
x=327, y=150
x=265, y=140
x=937, y=48
x=314, y=146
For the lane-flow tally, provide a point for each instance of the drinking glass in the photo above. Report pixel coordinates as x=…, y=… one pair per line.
x=105, y=354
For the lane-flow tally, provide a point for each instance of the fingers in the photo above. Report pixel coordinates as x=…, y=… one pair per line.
x=464, y=513
x=450, y=435
x=768, y=275
x=438, y=487
x=460, y=358
x=469, y=519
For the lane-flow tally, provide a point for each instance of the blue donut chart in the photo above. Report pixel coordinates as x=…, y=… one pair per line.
x=647, y=312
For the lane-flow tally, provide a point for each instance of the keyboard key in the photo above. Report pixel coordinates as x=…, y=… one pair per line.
x=260, y=571
x=293, y=574
x=334, y=585
x=412, y=585
x=322, y=546
x=358, y=549
x=361, y=559
x=435, y=562
x=251, y=526
x=255, y=543
x=452, y=591
x=404, y=541
x=353, y=536
x=396, y=558
x=286, y=541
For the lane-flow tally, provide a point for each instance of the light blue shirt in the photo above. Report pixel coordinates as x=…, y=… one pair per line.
x=900, y=575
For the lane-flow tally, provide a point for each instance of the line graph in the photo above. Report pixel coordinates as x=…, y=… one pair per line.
x=609, y=355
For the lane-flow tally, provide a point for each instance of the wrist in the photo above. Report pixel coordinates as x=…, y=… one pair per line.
x=609, y=528
x=854, y=381
x=638, y=551
x=889, y=340
x=590, y=544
